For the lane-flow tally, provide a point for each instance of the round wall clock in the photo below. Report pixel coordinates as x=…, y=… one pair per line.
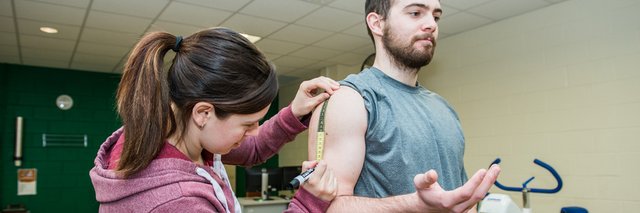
x=64, y=102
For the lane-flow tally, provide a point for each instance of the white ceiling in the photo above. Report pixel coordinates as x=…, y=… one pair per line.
x=297, y=35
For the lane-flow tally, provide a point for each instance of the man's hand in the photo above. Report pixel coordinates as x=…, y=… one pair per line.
x=307, y=98
x=462, y=199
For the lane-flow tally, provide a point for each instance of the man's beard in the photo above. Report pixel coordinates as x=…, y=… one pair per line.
x=408, y=57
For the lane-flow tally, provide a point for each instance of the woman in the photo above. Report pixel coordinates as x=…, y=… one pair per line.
x=179, y=127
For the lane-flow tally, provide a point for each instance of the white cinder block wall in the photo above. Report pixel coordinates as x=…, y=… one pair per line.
x=561, y=84
x=293, y=153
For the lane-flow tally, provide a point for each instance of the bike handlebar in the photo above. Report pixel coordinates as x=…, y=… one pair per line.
x=535, y=190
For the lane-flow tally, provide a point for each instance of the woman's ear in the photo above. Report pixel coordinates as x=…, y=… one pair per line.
x=375, y=22
x=201, y=113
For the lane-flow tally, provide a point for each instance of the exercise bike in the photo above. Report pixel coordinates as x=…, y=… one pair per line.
x=501, y=203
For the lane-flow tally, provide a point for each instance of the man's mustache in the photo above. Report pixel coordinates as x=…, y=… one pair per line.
x=425, y=36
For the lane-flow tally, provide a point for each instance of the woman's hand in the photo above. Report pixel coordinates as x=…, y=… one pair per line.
x=309, y=95
x=322, y=183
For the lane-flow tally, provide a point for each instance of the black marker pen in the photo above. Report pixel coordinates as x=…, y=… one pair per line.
x=298, y=180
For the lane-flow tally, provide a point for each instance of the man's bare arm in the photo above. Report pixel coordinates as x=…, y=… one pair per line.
x=345, y=126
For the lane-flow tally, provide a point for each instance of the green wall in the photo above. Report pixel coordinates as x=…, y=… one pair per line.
x=63, y=183
x=3, y=88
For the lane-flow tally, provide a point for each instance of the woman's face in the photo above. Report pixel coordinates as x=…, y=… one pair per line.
x=219, y=136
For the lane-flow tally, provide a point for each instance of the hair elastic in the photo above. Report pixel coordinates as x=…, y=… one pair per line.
x=176, y=48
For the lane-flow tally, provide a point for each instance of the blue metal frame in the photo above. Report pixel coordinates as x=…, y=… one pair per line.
x=524, y=185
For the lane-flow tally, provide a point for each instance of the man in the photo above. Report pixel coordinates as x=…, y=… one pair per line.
x=382, y=127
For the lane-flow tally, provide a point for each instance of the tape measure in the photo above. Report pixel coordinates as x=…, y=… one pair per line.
x=320, y=134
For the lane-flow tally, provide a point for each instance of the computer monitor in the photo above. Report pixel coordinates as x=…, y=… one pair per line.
x=253, y=180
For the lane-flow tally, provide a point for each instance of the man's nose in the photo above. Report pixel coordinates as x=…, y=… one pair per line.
x=429, y=24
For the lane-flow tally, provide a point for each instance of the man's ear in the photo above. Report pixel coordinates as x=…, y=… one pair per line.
x=375, y=22
x=201, y=113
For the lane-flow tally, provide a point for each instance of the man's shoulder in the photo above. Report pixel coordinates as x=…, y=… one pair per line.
x=364, y=75
x=345, y=94
x=363, y=83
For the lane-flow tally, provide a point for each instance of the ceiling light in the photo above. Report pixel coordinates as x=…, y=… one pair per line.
x=48, y=29
x=252, y=38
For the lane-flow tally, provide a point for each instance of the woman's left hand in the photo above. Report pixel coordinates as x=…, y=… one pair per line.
x=307, y=97
x=322, y=184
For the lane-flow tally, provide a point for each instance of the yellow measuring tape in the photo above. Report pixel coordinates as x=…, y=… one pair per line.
x=320, y=134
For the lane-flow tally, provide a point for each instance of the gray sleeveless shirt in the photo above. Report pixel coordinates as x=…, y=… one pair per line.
x=409, y=131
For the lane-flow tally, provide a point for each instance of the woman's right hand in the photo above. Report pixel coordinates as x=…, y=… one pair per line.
x=322, y=183
x=306, y=98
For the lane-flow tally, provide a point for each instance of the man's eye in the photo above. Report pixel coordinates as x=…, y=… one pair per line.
x=414, y=13
x=437, y=18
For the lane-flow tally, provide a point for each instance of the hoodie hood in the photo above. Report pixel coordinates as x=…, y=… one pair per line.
x=162, y=172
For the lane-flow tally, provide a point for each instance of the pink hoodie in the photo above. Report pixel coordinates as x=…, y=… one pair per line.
x=172, y=183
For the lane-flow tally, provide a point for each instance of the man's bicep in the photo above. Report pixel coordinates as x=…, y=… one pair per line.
x=344, y=146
